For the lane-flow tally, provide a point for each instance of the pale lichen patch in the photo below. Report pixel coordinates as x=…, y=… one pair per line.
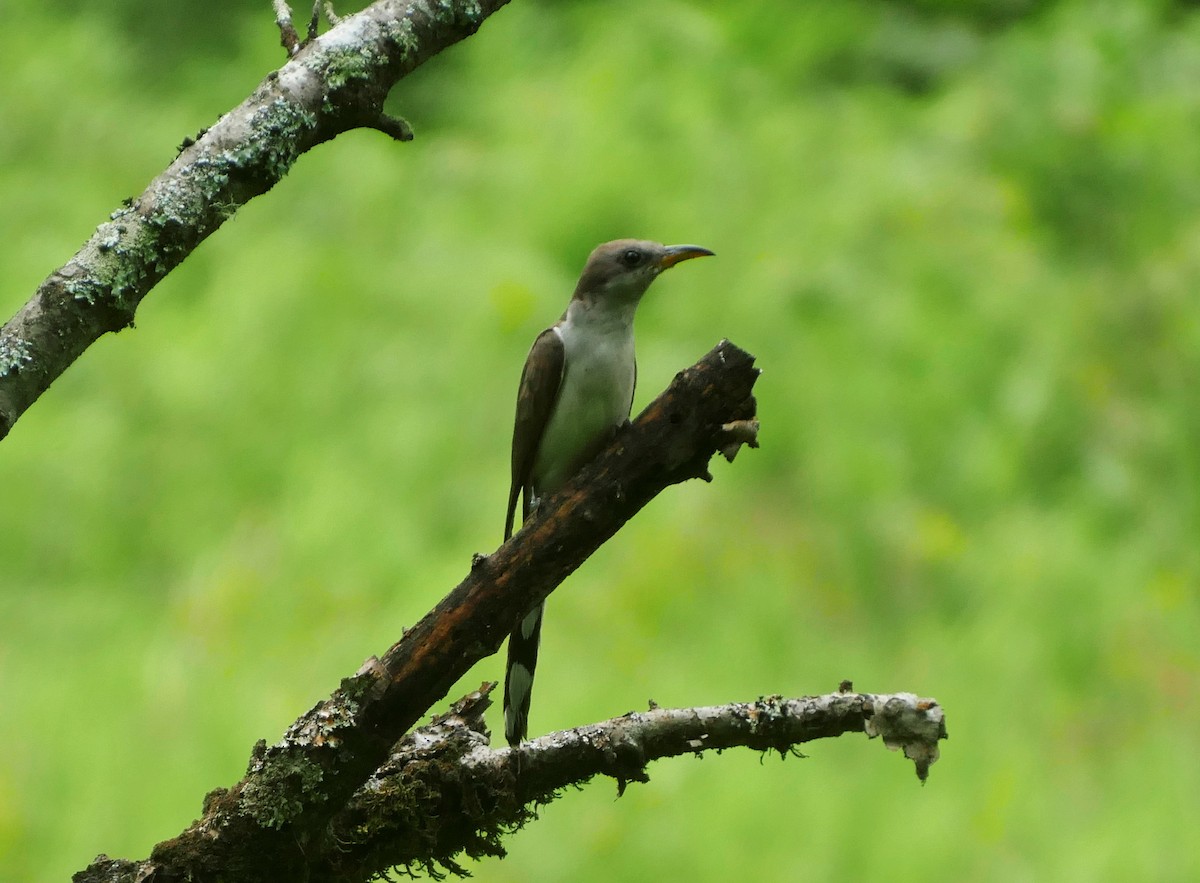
x=15, y=353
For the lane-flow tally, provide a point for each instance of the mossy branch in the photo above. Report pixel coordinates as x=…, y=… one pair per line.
x=330, y=84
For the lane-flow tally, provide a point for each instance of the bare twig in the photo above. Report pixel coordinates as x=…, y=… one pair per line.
x=288, y=38
x=394, y=127
x=313, y=21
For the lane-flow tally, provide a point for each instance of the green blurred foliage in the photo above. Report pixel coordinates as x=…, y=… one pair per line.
x=963, y=241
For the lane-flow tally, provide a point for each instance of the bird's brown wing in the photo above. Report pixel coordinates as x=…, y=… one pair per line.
x=540, y=382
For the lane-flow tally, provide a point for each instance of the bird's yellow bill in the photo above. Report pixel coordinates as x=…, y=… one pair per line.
x=677, y=253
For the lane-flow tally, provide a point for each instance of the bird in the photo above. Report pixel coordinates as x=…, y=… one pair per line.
x=576, y=390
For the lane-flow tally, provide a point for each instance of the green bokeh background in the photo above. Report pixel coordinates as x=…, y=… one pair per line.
x=963, y=240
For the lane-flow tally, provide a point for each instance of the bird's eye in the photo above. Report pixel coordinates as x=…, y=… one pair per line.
x=632, y=257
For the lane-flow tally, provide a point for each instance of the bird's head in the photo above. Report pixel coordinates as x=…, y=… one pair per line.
x=621, y=271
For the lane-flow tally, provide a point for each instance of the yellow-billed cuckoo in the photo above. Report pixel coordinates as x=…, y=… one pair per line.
x=576, y=389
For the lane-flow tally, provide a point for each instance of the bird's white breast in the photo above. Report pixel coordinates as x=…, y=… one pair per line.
x=595, y=396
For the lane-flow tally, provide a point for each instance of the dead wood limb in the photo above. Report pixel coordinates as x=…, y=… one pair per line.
x=272, y=824
x=330, y=84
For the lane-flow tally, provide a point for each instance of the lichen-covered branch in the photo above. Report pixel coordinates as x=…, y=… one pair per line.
x=270, y=825
x=444, y=793
x=330, y=84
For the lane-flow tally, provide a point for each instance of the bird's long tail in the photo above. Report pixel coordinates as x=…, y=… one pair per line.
x=518, y=675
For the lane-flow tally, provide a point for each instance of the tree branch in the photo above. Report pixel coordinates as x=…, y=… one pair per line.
x=270, y=825
x=444, y=792
x=329, y=85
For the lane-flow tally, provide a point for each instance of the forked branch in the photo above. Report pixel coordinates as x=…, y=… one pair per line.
x=271, y=824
